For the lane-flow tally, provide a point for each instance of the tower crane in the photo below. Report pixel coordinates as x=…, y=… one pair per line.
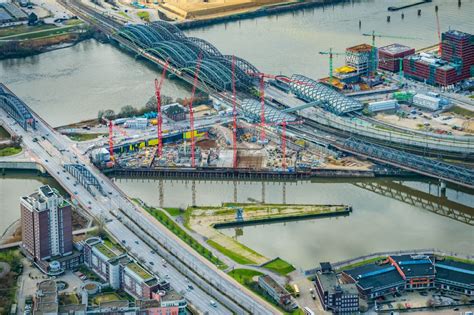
x=331, y=55
x=159, y=116
x=191, y=113
x=373, y=50
x=440, y=46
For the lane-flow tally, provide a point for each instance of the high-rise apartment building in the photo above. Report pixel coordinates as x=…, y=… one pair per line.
x=46, y=225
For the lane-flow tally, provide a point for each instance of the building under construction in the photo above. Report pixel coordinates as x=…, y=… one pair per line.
x=359, y=57
x=391, y=56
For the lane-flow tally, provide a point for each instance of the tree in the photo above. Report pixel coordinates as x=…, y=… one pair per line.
x=108, y=114
x=465, y=299
x=127, y=111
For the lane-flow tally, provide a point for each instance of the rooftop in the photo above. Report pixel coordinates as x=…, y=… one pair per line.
x=360, y=48
x=459, y=34
x=139, y=271
x=330, y=283
x=273, y=284
x=455, y=271
x=107, y=252
x=394, y=49
x=171, y=296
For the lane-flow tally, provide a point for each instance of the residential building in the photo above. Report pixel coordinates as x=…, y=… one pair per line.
x=340, y=298
x=46, y=226
x=275, y=290
x=120, y=271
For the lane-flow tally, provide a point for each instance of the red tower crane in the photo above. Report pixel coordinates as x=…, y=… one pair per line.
x=234, y=116
x=159, y=117
x=191, y=113
x=112, y=127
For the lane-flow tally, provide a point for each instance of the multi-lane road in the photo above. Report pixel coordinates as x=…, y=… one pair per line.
x=53, y=151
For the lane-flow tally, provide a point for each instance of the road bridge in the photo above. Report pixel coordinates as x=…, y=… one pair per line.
x=211, y=283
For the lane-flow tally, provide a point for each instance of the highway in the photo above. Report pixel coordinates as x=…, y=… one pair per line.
x=53, y=151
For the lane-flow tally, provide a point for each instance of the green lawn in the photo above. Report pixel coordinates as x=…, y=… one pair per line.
x=106, y=297
x=279, y=266
x=364, y=262
x=10, y=151
x=66, y=299
x=178, y=231
x=467, y=261
x=234, y=256
x=32, y=34
x=144, y=15
x=84, y=136
x=462, y=111
x=124, y=15
x=20, y=29
x=9, y=283
x=174, y=212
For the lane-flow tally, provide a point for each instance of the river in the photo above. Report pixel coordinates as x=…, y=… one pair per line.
x=13, y=186
x=377, y=222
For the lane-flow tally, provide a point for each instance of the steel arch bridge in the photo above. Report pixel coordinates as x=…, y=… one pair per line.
x=16, y=108
x=412, y=162
x=84, y=177
x=167, y=42
x=311, y=90
x=251, y=108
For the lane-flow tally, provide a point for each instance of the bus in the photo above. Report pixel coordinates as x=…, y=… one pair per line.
x=307, y=311
x=297, y=290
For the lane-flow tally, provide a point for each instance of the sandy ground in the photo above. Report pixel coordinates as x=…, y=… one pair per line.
x=426, y=121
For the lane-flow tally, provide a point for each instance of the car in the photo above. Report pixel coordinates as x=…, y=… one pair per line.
x=167, y=276
x=124, y=241
x=67, y=177
x=136, y=242
x=75, y=193
x=152, y=251
x=46, y=161
x=152, y=263
x=190, y=287
x=212, y=303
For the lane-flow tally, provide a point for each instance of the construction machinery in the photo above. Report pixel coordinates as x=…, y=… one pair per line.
x=191, y=113
x=159, y=116
x=331, y=56
x=373, y=52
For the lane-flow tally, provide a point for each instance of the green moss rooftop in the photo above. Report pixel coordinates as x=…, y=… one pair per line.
x=142, y=273
x=106, y=251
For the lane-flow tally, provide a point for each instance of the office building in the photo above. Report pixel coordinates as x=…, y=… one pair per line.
x=340, y=298
x=391, y=56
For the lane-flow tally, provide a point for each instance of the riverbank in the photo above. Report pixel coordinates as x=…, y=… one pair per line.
x=20, y=47
x=205, y=221
x=251, y=12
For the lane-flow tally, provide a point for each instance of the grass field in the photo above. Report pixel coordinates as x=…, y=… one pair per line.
x=20, y=29
x=245, y=277
x=10, y=151
x=9, y=283
x=178, y=231
x=232, y=255
x=174, y=212
x=40, y=33
x=279, y=266
x=106, y=297
x=462, y=111
x=467, y=261
x=84, y=136
x=125, y=15
x=144, y=15
x=364, y=262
